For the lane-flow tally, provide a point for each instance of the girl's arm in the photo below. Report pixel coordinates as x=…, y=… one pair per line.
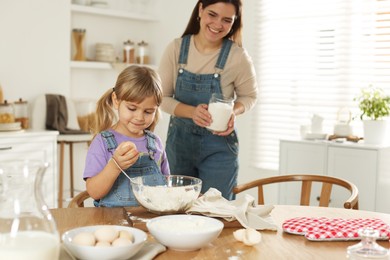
x=125, y=156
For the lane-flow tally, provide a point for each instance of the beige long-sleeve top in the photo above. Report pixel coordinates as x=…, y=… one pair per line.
x=238, y=79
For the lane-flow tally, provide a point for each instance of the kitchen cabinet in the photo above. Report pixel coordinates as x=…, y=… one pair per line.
x=90, y=79
x=34, y=145
x=364, y=165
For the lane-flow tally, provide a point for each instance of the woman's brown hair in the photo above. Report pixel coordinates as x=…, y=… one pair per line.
x=193, y=26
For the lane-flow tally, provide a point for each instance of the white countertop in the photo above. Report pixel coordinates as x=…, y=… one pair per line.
x=60, y=137
x=6, y=134
x=359, y=144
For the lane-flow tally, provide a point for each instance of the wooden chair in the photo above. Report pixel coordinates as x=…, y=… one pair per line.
x=307, y=180
x=78, y=200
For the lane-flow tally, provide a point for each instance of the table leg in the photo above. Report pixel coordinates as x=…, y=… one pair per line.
x=61, y=177
x=71, y=169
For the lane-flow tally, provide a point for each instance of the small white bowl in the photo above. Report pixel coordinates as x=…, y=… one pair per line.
x=184, y=232
x=97, y=253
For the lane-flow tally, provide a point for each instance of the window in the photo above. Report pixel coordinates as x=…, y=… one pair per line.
x=313, y=57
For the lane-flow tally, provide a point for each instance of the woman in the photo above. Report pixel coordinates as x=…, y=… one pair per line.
x=207, y=59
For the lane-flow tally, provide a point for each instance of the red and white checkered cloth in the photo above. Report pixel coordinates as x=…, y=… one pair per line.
x=325, y=229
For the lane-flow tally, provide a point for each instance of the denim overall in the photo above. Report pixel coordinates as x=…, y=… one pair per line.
x=193, y=150
x=121, y=194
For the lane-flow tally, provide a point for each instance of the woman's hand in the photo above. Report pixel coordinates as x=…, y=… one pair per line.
x=126, y=154
x=201, y=116
x=230, y=128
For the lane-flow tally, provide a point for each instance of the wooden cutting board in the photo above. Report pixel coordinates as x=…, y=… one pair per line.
x=138, y=216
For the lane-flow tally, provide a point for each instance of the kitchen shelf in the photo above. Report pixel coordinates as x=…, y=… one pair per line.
x=111, y=13
x=102, y=65
x=90, y=65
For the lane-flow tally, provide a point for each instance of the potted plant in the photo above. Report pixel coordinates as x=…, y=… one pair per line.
x=374, y=105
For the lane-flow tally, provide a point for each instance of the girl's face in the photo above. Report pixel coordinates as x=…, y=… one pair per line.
x=134, y=118
x=216, y=20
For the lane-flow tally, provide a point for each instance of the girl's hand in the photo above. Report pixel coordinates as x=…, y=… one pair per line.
x=230, y=128
x=126, y=154
x=201, y=116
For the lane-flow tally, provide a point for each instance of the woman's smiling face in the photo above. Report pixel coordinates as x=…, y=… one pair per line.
x=216, y=20
x=134, y=118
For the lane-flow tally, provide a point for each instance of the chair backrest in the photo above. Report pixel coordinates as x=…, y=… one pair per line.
x=306, y=180
x=78, y=200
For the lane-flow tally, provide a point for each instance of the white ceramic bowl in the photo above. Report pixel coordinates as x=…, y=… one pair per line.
x=184, y=232
x=176, y=196
x=97, y=253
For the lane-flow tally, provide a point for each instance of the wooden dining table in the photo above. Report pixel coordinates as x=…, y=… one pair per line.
x=274, y=245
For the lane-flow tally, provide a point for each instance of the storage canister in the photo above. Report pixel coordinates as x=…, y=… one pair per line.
x=142, y=53
x=21, y=112
x=7, y=114
x=128, y=52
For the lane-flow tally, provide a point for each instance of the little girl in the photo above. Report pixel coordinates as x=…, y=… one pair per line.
x=125, y=118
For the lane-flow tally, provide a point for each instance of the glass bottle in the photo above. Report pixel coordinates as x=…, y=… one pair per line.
x=367, y=248
x=27, y=228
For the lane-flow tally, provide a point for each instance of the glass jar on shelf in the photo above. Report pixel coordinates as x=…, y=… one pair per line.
x=78, y=36
x=7, y=113
x=128, y=52
x=142, y=53
x=21, y=113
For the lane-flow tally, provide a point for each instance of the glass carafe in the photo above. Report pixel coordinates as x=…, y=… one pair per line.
x=367, y=248
x=27, y=228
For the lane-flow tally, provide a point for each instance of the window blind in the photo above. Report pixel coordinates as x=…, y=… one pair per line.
x=313, y=57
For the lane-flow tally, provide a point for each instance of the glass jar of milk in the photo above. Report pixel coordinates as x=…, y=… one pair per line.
x=27, y=228
x=221, y=109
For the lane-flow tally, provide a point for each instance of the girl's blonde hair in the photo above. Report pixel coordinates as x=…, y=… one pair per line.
x=135, y=83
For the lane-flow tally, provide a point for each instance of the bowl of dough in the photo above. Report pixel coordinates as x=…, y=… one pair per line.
x=174, y=194
x=182, y=232
x=104, y=242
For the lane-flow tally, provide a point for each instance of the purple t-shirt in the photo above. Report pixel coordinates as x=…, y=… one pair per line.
x=98, y=155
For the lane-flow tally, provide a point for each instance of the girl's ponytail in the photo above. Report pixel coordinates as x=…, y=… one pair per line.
x=105, y=116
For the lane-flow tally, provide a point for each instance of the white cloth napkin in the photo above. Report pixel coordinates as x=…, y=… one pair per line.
x=149, y=251
x=244, y=210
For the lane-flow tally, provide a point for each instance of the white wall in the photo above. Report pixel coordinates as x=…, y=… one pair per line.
x=33, y=57
x=35, y=53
